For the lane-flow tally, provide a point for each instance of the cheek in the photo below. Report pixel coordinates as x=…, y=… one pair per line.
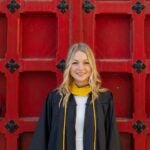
x=72, y=71
x=89, y=70
x=73, y=68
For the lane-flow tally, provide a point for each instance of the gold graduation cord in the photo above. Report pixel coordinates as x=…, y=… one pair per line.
x=94, y=113
x=64, y=127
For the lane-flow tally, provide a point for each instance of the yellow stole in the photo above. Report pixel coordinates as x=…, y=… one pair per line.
x=80, y=91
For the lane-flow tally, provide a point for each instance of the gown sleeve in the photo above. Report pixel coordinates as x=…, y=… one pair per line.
x=41, y=135
x=113, y=138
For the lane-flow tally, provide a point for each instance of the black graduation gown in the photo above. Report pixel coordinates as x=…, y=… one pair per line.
x=48, y=135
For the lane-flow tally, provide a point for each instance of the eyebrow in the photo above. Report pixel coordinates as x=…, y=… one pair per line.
x=83, y=59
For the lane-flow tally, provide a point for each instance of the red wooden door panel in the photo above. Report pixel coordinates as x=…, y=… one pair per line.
x=34, y=37
x=120, y=37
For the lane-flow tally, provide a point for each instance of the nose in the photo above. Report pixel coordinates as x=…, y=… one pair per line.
x=80, y=66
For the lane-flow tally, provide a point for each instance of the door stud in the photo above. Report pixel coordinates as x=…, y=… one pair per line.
x=138, y=7
x=61, y=65
x=139, y=66
x=138, y=126
x=12, y=66
x=88, y=6
x=12, y=6
x=63, y=6
x=11, y=126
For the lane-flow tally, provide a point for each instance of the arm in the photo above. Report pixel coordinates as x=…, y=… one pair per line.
x=113, y=139
x=41, y=135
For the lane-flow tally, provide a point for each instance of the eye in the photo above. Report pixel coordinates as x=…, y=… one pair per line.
x=75, y=62
x=86, y=62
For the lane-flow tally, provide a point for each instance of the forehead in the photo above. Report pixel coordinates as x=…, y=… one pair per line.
x=79, y=55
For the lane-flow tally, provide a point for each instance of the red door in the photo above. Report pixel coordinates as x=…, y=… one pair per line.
x=119, y=33
x=34, y=38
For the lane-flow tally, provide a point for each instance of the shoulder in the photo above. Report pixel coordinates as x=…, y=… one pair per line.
x=53, y=96
x=105, y=97
x=54, y=92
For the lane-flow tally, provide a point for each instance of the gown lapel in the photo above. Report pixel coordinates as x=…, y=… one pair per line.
x=70, y=125
x=88, y=134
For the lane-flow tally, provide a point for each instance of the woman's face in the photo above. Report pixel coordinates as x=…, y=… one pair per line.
x=80, y=69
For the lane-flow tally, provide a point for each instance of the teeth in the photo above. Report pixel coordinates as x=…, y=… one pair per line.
x=80, y=73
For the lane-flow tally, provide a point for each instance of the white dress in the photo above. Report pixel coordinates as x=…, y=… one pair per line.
x=80, y=115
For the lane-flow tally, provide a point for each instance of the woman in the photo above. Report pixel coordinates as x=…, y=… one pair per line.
x=79, y=114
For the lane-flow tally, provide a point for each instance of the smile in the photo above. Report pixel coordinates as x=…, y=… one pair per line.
x=80, y=74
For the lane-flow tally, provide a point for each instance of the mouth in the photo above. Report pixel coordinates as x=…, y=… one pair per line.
x=80, y=74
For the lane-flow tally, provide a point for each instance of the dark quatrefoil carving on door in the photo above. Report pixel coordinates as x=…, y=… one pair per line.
x=11, y=126
x=12, y=65
x=139, y=66
x=139, y=126
x=88, y=6
x=138, y=7
x=61, y=65
x=12, y=6
x=63, y=6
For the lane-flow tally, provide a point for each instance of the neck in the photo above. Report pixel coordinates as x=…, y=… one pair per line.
x=83, y=85
x=79, y=85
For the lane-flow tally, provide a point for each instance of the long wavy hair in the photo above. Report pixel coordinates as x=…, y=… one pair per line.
x=94, y=79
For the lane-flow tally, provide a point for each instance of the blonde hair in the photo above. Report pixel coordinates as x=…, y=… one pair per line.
x=94, y=79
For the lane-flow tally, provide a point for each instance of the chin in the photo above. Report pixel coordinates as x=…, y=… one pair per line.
x=81, y=81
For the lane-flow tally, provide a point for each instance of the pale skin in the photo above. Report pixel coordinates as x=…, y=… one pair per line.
x=80, y=69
